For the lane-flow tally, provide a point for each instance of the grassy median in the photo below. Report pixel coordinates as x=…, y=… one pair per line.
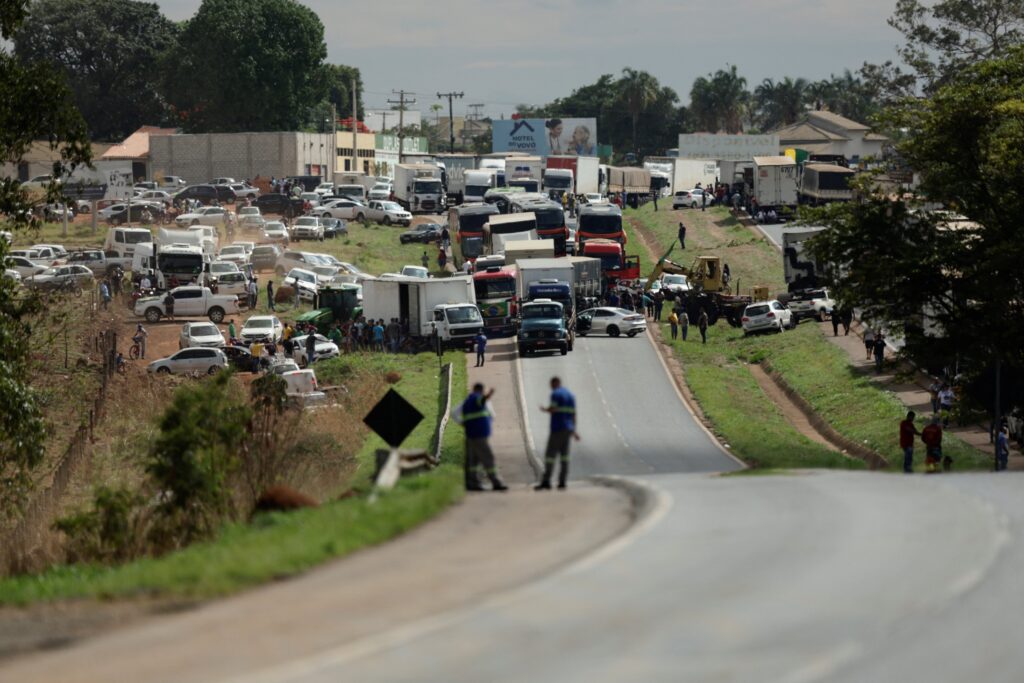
x=718, y=373
x=280, y=545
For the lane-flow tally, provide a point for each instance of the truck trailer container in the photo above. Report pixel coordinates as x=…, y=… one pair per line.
x=445, y=305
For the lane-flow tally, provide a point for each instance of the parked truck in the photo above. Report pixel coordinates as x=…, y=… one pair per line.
x=354, y=178
x=582, y=275
x=528, y=249
x=683, y=174
x=525, y=172
x=800, y=269
x=823, y=183
x=418, y=189
x=455, y=167
x=476, y=183
x=616, y=266
x=775, y=183
x=584, y=174
x=635, y=182
x=189, y=301
x=445, y=306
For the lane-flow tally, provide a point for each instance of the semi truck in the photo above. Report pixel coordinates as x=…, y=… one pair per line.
x=823, y=183
x=799, y=268
x=476, y=183
x=445, y=306
x=417, y=188
x=581, y=274
x=495, y=289
x=616, y=266
x=584, y=174
x=528, y=249
x=683, y=174
x=455, y=166
x=775, y=183
x=633, y=181
x=525, y=172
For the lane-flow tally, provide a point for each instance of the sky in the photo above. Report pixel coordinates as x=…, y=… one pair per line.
x=501, y=54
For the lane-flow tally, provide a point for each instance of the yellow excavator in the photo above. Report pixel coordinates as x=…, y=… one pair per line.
x=708, y=289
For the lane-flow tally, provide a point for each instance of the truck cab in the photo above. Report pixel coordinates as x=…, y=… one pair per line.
x=457, y=324
x=615, y=264
x=542, y=327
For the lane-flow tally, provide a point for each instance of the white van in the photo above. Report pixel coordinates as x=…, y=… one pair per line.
x=123, y=240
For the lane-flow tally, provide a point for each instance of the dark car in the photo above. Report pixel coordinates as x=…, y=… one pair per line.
x=239, y=357
x=204, y=194
x=138, y=212
x=281, y=204
x=334, y=227
x=425, y=233
x=264, y=256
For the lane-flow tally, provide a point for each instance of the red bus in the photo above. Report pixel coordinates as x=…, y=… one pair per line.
x=466, y=228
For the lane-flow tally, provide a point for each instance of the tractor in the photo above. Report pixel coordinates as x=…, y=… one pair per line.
x=334, y=304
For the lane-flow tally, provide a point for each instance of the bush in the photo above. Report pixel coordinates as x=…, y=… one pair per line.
x=113, y=530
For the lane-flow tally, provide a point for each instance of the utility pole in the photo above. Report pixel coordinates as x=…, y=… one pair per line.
x=334, y=140
x=451, y=116
x=402, y=101
x=355, y=111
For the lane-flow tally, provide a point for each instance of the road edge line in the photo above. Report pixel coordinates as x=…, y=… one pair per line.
x=528, y=442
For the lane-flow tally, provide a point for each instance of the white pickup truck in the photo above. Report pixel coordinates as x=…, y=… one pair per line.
x=190, y=301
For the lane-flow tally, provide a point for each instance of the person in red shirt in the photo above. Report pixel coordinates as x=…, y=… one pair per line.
x=907, y=433
x=932, y=437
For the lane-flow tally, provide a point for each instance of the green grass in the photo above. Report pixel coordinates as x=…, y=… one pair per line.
x=374, y=249
x=819, y=371
x=281, y=545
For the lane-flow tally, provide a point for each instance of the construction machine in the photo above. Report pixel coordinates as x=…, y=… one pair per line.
x=708, y=290
x=334, y=303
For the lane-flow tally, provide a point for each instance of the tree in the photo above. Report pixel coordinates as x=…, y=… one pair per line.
x=637, y=90
x=780, y=104
x=243, y=65
x=337, y=80
x=35, y=104
x=719, y=101
x=109, y=51
x=944, y=38
x=846, y=95
x=900, y=262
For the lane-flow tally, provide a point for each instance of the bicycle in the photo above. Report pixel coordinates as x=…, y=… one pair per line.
x=135, y=350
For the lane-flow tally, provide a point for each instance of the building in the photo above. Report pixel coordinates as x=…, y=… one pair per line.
x=827, y=133
x=135, y=150
x=200, y=158
x=387, y=152
x=39, y=160
x=465, y=129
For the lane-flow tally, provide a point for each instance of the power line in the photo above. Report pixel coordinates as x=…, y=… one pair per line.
x=401, y=116
x=451, y=116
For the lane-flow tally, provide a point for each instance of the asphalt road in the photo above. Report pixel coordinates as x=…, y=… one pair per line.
x=631, y=419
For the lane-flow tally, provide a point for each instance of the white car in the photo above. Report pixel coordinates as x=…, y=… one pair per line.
x=594, y=198
x=248, y=211
x=12, y=274
x=765, y=316
x=23, y=266
x=262, y=328
x=275, y=231
x=415, y=271
x=234, y=253
x=610, y=320
x=307, y=228
x=325, y=349
x=812, y=303
x=243, y=191
x=345, y=209
x=380, y=192
x=223, y=181
x=218, y=268
x=204, y=360
x=207, y=215
x=248, y=246
x=324, y=189
x=200, y=334
x=236, y=283
x=162, y=196
x=301, y=388
x=386, y=213
x=307, y=281
x=174, y=182
x=281, y=366
x=690, y=198
x=672, y=284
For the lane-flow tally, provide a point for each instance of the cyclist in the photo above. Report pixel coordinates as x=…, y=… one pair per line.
x=140, y=338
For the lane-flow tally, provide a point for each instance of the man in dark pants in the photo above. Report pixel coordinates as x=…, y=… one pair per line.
x=682, y=236
x=270, y=294
x=654, y=198
x=703, y=199
x=907, y=433
x=310, y=348
x=475, y=417
x=563, y=430
x=169, y=306
x=480, y=341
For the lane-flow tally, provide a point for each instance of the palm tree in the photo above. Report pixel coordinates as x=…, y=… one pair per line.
x=780, y=104
x=719, y=101
x=637, y=90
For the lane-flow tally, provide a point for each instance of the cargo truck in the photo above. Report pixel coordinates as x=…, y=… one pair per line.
x=445, y=306
x=775, y=183
x=476, y=184
x=455, y=166
x=799, y=267
x=495, y=289
x=583, y=174
x=417, y=188
x=683, y=174
x=528, y=249
x=525, y=172
x=823, y=183
x=581, y=274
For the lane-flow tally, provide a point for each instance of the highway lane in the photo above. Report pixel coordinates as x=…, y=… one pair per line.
x=631, y=418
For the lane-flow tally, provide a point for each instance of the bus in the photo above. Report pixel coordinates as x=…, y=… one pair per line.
x=466, y=227
x=550, y=217
x=599, y=221
x=501, y=196
x=507, y=228
x=495, y=290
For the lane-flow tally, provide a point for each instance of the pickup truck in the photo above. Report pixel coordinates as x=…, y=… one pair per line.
x=307, y=228
x=100, y=262
x=189, y=301
x=811, y=303
x=386, y=213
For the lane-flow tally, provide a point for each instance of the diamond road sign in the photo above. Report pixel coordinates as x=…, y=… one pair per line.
x=393, y=418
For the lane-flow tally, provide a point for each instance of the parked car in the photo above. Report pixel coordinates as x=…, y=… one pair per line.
x=345, y=209
x=298, y=259
x=162, y=196
x=301, y=388
x=13, y=275
x=385, y=212
x=415, y=271
x=281, y=204
x=811, y=303
x=208, y=361
x=234, y=253
x=207, y=215
x=380, y=192
x=200, y=334
x=325, y=189
x=238, y=357
x=424, y=233
x=262, y=328
x=252, y=223
x=334, y=227
x=325, y=349
x=765, y=316
x=223, y=181
x=189, y=301
x=55, y=211
x=205, y=194
x=307, y=282
x=236, y=283
x=275, y=231
x=172, y=182
x=610, y=320
x=100, y=262
x=311, y=199
x=307, y=228
x=24, y=267
x=72, y=277
x=690, y=199
x=264, y=257
x=243, y=191
x=117, y=214
x=673, y=284
x=218, y=268
x=282, y=365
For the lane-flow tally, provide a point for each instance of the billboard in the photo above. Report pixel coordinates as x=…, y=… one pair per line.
x=727, y=147
x=577, y=137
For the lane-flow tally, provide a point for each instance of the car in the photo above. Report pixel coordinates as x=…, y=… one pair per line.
x=248, y=246
x=50, y=255
x=206, y=360
x=243, y=191
x=765, y=316
x=244, y=211
x=334, y=227
x=325, y=189
x=325, y=349
x=279, y=366
x=610, y=320
x=55, y=211
x=12, y=274
x=23, y=266
x=262, y=328
x=144, y=185
x=327, y=274
x=172, y=182
x=385, y=212
x=690, y=199
x=307, y=281
x=380, y=191
x=275, y=232
x=117, y=214
x=73, y=277
x=345, y=209
x=205, y=194
x=280, y=204
x=162, y=196
x=100, y=262
x=189, y=301
x=264, y=257
x=223, y=181
x=424, y=233
x=812, y=303
x=218, y=268
x=235, y=253
x=415, y=271
x=298, y=259
x=307, y=228
x=236, y=283
x=200, y=334
x=207, y=215
x=252, y=223
x=594, y=198
x=301, y=388
x=239, y=357
x=673, y=284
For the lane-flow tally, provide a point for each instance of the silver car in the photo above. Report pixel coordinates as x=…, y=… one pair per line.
x=204, y=361
x=611, y=321
x=766, y=316
x=200, y=334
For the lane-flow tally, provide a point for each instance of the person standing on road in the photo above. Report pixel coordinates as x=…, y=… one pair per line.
x=835, y=323
x=169, y=306
x=480, y=341
x=254, y=291
x=270, y=294
x=703, y=200
x=682, y=235
x=907, y=433
x=673, y=323
x=475, y=417
x=932, y=438
x=702, y=324
x=659, y=302
x=1003, y=448
x=879, y=350
x=563, y=430
x=442, y=258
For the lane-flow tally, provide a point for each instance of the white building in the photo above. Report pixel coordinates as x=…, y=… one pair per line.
x=823, y=132
x=382, y=120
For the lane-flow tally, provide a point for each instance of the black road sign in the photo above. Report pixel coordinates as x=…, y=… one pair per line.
x=393, y=418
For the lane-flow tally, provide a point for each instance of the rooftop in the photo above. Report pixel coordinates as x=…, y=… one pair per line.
x=136, y=145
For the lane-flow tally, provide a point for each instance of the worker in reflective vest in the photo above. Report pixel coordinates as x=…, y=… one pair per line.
x=475, y=416
x=563, y=430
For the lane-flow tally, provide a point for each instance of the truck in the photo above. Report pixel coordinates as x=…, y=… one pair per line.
x=683, y=174
x=525, y=172
x=417, y=188
x=495, y=289
x=334, y=303
x=584, y=174
x=495, y=163
x=445, y=306
x=542, y=327
x=100, y=262
x=799, y=268
x=466, y=227
x=455, y=166
x=189, y=301
x=635, y=182
x=171, y=264
x=167, y=236
x=586, y=277
x=581, y=275
x=538, y=270
x=354, y=178
x=775, y=183
x=823, y=183
x=124, y=240
x=616, y=266
x=509, y=227
x=476, y=183
x=528, y=249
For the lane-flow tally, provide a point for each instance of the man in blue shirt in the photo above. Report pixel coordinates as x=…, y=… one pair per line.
x=481, y=345
x=475, y=416
x=563, y=430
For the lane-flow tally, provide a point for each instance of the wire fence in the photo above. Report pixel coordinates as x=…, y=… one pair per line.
x=31, y=541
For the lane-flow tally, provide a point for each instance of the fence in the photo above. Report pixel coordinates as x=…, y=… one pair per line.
x=28, y=543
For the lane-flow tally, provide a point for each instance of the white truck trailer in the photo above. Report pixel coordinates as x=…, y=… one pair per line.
x=775, y=185
x=418, y=189
x=445, y=305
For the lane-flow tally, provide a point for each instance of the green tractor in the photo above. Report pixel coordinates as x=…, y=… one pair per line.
x=334, y=304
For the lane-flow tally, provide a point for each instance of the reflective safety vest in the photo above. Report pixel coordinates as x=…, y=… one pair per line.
x=476, y=418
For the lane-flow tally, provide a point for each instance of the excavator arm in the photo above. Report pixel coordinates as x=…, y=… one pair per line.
x=665, y=266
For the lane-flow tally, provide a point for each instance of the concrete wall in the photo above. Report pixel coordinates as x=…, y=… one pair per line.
x=200, y=158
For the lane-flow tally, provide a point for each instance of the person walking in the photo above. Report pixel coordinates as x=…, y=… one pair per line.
x=310, y=348
x=232, y=333
x=835, y=323
x=254, y=291
x=673, y=323
x=1003, y=448
x=563, y=430
x=139, y=338
x=682, y=235
x=654, y=198
x=480, y=341
x=169, y=306
x=270, y=294
x=933, y=393
x=879, y=351
x=932, y=438
x=425, y=260
x=475, y=417
x=442, y=258
x=847, y=320
x=907, y=433
x=703, y=200
x=105, y=294
x=946, y=399
x=869, y=342
x=684, y=324
x=702, y=324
